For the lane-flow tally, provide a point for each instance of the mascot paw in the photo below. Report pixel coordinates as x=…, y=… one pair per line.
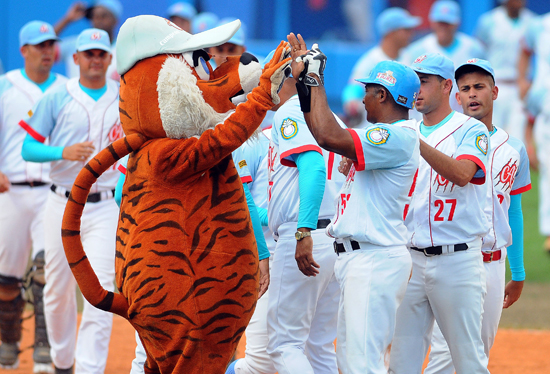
x=276, y=71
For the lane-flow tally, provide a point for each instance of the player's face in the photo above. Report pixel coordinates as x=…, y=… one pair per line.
x=182, y=23
x=93, y=63
x=444, y=32
x=39, y=57
x=227, y=49
x=433, y=92
x=476, y=93
x=403, y=37
x=370, y=100
x=103, y=19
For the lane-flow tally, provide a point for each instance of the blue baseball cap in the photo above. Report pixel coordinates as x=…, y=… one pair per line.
x=239, y=37
x=400, y=80
x=396, y=18
x=445, y=11
x=93, y=39
x=482, y=64
x=36, y=32
x=204, y=21
x=434, y=64
x=182, y=10
x=113, y=6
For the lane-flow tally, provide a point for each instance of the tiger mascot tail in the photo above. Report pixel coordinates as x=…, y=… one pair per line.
x=186, y=259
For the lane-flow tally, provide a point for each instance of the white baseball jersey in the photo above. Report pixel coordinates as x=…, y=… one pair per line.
x=536, y=41
x=290, y=135
x=508, y=167
x=502, y=36
x=66, y=116
x=378, y=183
x=442, y=213
x=17, y=97
x=462, y=49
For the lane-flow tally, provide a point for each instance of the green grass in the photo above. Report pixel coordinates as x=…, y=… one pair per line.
x=537, y=261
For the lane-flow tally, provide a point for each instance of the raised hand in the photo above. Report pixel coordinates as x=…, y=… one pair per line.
x=276, y=71
x=4, y=183
x=298, y=49
x=78, y=151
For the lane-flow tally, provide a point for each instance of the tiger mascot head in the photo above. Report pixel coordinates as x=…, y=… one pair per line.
x=186, y=260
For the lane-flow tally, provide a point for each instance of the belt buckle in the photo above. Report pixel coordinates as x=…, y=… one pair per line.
x=334, y=244
x=427, y=254
x=490, y=257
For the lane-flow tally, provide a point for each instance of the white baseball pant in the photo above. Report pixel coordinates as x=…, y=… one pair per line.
x=440, y=357
x=21, y=227
x=302, y=311
x=508, y=111
x=98, y=230
x=542, y=139
x=449, y=288
x=372, y=284
x=141, y=357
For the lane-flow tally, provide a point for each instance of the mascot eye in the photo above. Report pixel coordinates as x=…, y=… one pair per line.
x=197, y=59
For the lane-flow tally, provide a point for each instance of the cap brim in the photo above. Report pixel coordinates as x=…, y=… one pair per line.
x=41, y=39
x=364, y=81
x=87, y=47
x=427, y=71
x=412, y=22
x=449, y=20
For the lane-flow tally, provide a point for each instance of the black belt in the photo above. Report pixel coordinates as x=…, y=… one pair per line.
x=92, y=198
x=323, y=223
x=30, y=184
x=339, y=247
x=437, y=250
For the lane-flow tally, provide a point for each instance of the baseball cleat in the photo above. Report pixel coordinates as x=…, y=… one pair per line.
x=41, y=368
x=9, y=356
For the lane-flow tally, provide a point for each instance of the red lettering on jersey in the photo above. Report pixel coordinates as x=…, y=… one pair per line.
x=507, y=175
x=442, y=183
x=271, y=155
x=116, y=132
x=500, y=198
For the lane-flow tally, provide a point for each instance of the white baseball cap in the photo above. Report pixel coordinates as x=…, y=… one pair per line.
x=147, y=36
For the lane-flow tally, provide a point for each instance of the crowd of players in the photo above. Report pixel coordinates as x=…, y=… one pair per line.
x=407, y=245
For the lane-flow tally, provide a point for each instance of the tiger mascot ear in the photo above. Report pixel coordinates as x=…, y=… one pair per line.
x=186, y=264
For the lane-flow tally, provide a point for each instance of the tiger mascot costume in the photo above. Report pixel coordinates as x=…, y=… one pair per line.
x=186, y=258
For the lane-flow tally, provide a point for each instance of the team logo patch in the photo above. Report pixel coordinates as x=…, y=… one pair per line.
x=482, y=143
x=420, y=59
x=44, y=29
x=402, y=99
x=242, y=164
x=378, y=135
x=289, y=128
x=472, y=61
x=386, y=77
x=95, y=36
x=30, y=113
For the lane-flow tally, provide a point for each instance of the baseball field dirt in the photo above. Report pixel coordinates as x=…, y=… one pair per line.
x=515, y=351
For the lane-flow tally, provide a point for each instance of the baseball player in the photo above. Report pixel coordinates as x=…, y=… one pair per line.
x=537, y=135
x=181, y=14
x=508, y=168
x=445, y=40
x=103, y=15
x=23, y=192
x=501, y=30
x=373, y=264
x=395, y=26
x=78, y=118
x=302, y=310
x=446, y=221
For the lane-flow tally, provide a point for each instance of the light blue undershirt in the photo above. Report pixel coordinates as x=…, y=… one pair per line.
x=427, y=130
x=262, y=212
x=44, y=85
x=451, y=47
x=94, y=93
x=312, y=175
x=515, y=251
x=34, y=151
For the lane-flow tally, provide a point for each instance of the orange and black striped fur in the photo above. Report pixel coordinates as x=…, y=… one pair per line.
x=186, y=258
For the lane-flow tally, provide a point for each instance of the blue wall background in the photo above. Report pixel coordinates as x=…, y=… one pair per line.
x=267, y=22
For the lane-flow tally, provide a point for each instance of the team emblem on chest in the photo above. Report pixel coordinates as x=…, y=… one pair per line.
x=482, y=143
x=507, y=175
x=378, y=135
x=289, y=128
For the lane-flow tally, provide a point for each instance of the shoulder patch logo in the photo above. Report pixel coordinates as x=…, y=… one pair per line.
x=30, y=113
x=289, y=128
x=242, y=164
x=482, y=143
x=386, y=77
x=378, y=135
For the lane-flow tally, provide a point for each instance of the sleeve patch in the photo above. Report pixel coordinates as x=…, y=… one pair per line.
x=482, y=143
x=289, y=129
x=242, y=164
x=378, y=135
x=30, y=113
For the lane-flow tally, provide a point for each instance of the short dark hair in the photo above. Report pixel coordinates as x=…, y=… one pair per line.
x=468, y=69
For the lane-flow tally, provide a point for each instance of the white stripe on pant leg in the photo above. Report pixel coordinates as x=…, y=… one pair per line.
x=60, y=290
